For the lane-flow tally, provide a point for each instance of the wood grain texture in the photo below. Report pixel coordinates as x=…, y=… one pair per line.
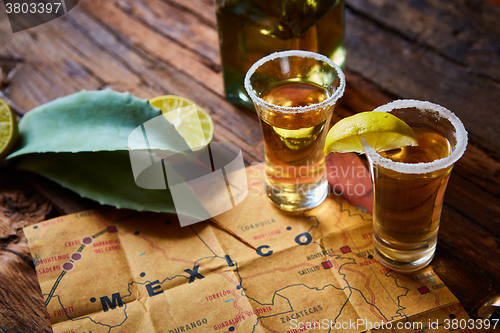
x=446, y=52
x=21, y=304
x=405, y=68
x=464, y=32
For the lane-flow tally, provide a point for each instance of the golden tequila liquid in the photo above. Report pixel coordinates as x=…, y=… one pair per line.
x=407, y=207
x=252, y=29
x=295, y=164
x=294, y=93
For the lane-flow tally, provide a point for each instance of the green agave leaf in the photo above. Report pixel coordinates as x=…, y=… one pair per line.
x=88, y=121
x=105, y=177
x=81, y=142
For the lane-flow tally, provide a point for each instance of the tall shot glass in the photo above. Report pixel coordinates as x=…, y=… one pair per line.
x=294, y=94
x=409, y=184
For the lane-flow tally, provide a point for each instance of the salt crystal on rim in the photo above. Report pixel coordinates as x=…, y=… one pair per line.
x=330, y=101
x=419, y=168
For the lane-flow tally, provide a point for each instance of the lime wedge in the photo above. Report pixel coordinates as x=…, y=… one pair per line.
x=381, y=130
x=192, y=122
x=8, y=129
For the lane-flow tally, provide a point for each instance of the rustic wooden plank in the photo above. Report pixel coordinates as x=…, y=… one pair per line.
x=155, y=44
x=204, y=9
x=408, y=70
x=472, y=286
x=481, y=169
x=33, y=74
x=20, y=205
x=21, y=304
x=46, y=51
x=180, y=25
x=465, y=32
x=362, y=95
x=479, y=206
x=470, y=241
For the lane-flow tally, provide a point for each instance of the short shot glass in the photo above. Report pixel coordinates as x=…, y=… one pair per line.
x=409, y=184
x=294, y=94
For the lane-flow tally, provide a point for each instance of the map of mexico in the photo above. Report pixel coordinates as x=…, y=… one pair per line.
x=124, y=271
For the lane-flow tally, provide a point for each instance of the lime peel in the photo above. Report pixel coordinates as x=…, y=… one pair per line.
x=381, y=130
x=192, y=122
x=8, y=129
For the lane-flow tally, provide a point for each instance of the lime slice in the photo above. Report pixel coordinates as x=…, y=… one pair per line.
x=8, y=129
x=192, y=122
x=381, y=130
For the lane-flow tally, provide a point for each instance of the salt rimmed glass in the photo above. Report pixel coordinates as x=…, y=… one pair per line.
x=294, y=94
x=408, y=197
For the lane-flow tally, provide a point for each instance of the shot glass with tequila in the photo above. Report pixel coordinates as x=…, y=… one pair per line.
x=294, y=94
x=409, y=184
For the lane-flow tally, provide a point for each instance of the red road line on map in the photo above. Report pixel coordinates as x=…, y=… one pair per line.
x=256, y=187
x=277, y=270
x=236, y=306
x=163, y=252
x=223, y=274
x=345, y=231
x=154, y=246
x=237, y=297
x=367, y=286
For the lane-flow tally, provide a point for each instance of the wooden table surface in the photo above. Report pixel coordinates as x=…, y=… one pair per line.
x=447, y=52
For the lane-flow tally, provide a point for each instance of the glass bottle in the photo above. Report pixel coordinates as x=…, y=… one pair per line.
x=252, y=29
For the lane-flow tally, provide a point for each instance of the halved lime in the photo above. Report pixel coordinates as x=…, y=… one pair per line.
x=381, y=130
x=192, y=122
x=8, y=129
